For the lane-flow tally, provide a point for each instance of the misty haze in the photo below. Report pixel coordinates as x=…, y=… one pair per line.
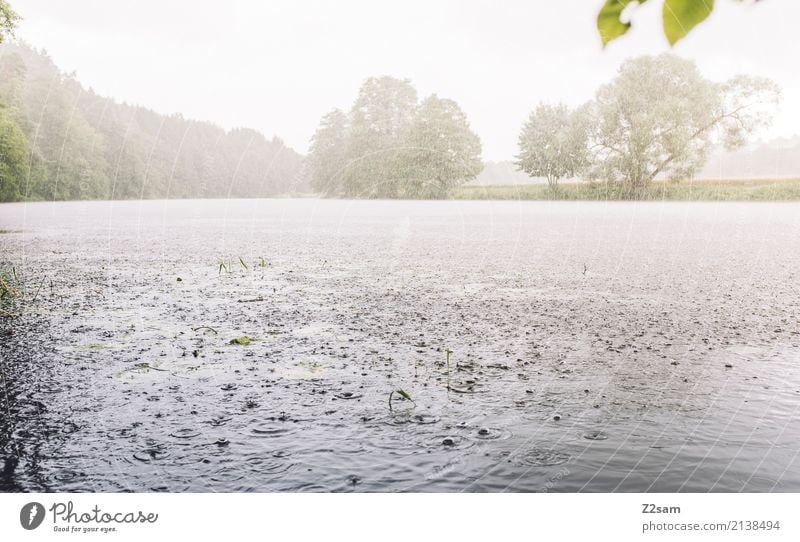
x=427, y=247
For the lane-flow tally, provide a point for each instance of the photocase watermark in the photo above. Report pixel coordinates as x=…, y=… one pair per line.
x=31, y=515
x=67, y=518
x=554, y=479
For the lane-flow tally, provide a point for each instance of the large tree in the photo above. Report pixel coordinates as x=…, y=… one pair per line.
x=391, y=146
x=553, y=143
x=328, y=153
x=660, y=117
x=441, y=151
x=379, y=119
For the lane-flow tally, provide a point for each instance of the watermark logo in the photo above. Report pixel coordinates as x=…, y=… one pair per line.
x=31, y=515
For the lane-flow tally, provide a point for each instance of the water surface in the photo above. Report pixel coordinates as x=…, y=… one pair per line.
x=595, y=346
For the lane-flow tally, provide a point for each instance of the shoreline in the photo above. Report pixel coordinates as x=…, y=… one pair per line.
x=706, y=190
x=766, y=190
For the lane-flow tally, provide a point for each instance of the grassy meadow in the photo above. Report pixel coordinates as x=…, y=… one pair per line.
x=698, y=190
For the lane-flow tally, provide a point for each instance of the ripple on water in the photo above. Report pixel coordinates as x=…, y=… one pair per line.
x=402, y=442
x=424, y=419
x=466, y=386
x=404, y=418
x=151, y=454
x=495, y=370
x=268, y=465
x=312, y=400
x=216, y=421
x=398, y=419
x=227, y=475
x=185, y=433
x=448, y=442
x=349, y=395
x=123, y=432
x=269, y=429
x=68, y=475
x=542, y=457
x=595, y=435
x=490, y=433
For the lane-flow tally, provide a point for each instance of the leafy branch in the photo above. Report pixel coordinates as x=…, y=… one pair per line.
x=8, y=20
x=679, y=17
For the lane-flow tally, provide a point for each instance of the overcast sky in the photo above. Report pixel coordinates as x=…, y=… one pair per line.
x=279, y=65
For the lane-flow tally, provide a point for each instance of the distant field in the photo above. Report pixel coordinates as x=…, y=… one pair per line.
x=704, y=190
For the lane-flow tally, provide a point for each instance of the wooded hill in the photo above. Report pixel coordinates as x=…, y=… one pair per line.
x=61, y=141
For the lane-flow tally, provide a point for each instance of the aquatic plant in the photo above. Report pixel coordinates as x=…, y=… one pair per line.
x=241, y=261
x=223, y=265
x=401, y=393
x=262, y=262
x=7, y=291
x=448, y=353
x=243, y=340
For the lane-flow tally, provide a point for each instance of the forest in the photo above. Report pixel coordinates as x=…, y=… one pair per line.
x=62, y=141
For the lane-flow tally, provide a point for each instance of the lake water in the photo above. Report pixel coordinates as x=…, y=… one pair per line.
x=595, y=346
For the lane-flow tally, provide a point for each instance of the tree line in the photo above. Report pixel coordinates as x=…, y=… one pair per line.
x=659, y=118
x=61, y=141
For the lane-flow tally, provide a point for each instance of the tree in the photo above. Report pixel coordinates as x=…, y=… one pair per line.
x=661, y=117
x=380, y=117
x=14, y=167
x=553, y=143
x=391, y=146
x=68, y=161
x=327, y=154
x=441, y=151
x=8, y=20
x=679, y=17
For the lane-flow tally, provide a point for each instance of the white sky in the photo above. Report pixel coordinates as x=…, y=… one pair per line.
x=278, y=66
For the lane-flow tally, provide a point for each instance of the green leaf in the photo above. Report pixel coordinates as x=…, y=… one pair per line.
x=404, y=395
x=8, y=20
x=241, y=340
x=609, y=20
x=680, y=16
